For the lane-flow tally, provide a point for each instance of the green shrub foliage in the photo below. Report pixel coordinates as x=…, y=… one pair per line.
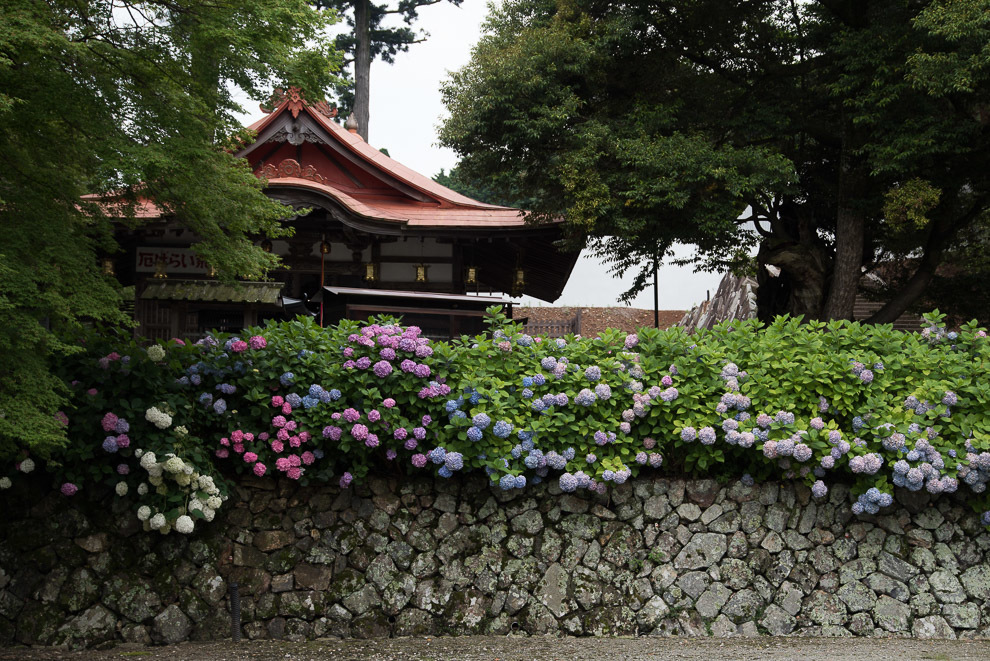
x=173, y=423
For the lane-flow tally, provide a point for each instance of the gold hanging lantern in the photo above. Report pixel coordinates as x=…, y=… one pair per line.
x=160, y=266
x=421, y=272
x=106, y=266
x=266, y=245
x=370, y=272
x=211, y=272
x=324, y=248
x=519, y=283
x=471, y=276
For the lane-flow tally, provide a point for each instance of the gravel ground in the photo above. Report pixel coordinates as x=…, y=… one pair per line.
x=536, y=648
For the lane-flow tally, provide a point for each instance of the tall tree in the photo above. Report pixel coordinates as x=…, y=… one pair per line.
x=663, y=122
x=370, y=38
x=129, y=101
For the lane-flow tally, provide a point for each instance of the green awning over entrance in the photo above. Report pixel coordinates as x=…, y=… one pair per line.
x=210, y=290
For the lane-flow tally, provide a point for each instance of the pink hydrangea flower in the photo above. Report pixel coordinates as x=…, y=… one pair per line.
x=294, y=441
x=308, y=458
x=278, y=421
x=374, y=415
x=92, y=392
x=238, y=346
x=257, y=342
x=224, y=441
x=260, y=469
x=223, y=453
x=282, y=463
x=250, y=457
x=109, y=421
x=69, y=489
x=277, y=401
x=286, y=409
x=391, y=454
x=123, y=441
x=238, y=448
x=277, y=446
x=237, y=436
x=388, y=403
x=294, y=473
x=419, y=460
x=283, y=434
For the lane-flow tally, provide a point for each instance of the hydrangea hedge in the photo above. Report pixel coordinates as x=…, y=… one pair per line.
x=169, y=424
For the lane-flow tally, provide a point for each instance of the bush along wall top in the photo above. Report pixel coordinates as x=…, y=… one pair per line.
x=169, y=425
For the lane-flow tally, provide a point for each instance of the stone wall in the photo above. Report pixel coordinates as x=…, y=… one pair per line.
x=656, y=557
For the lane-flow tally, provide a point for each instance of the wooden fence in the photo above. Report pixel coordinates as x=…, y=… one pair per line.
x=554, y=327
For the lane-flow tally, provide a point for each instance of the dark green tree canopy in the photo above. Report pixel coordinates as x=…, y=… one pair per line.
x=128, y=100
x=824, y=123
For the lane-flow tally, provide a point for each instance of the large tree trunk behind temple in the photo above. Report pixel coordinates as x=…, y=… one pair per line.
x=850, y=234
x=362, y=66
x=800, y=287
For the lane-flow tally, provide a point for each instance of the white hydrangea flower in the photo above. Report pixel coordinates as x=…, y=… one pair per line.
x=155, y=471
x=184, y=525
x=158, y=418
x=205, y=482
x=182, y=479
x=142, y=489
x=144, y=513
x=166, y=529
x=161, y=490
x=155, y=480
x=208, y=514
x=5, y=482
x=214, y=502
x=174, y=465
x=188, y=470
x=195, y=504
x=158, y=521
x=27, y=465
x=156, y=353
x=121, y=488
x=148, y=460
x=138, y=452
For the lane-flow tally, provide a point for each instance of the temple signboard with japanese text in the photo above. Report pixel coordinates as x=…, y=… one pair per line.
x=177, y=260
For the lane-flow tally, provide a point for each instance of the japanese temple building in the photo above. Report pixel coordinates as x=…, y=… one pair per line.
x=379, y=237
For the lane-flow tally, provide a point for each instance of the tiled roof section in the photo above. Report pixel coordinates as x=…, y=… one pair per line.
x=210, y=290
x=443, y=208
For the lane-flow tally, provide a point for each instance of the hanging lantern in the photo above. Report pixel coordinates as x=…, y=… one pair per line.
x=324, y=248
x=519, y=283
x=106, y=266
x=211, y=272
x=370, y=272
x=160, y=273
x=421, y=272
x=471, y=276
x=266, y=245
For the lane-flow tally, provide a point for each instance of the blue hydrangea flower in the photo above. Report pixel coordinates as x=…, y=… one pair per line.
x=568, y=483
x=524, y=340
x=507, y=482
x=502, y=429
x=293, y=400
x=454, y=461
x=527, y=393
x=591, y=458
x=110, y=444
x=539, y=379
x=206, y=399
x=527, y=382
x=706, y=436
x=747, y=480
x=608, y=475
x=593, y=373
x=520, y=481
x=309, y=401
x=474, y=434
x=443, y=471
x=287, y=379
x=516, y=451
x=548, y=363
x=437, y=455
x=603, y=391
x=688, y=434
x=481, y=420
x=555, y=461
x=220, y=406
x=568, y=454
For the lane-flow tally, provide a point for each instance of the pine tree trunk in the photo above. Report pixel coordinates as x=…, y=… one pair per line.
x=362, y=65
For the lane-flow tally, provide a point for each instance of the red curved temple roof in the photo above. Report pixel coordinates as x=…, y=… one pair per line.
x=299, y=146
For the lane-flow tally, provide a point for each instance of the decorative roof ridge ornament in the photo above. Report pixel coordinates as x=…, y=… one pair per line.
x=351, y=124
x=296, y=101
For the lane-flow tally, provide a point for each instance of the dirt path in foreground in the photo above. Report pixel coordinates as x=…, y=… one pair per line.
x=536, y=648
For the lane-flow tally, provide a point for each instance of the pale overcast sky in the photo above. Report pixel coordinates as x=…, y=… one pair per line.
x=406, y=109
